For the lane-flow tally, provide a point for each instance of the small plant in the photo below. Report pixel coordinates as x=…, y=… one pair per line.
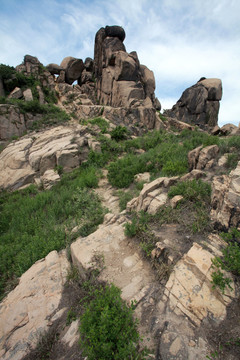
x=232, y=160
x=107, y=327
x=119, y=133
x=59, y=169
x=71, y=316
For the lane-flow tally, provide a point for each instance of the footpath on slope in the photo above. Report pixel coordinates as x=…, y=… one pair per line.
x=170, y=314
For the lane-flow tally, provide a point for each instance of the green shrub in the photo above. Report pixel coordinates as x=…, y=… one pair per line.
x=101, y=123
x=232, y=160
x=107, y=327
x=119, y=133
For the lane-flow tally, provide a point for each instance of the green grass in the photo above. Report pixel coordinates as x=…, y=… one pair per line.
x=33, y=223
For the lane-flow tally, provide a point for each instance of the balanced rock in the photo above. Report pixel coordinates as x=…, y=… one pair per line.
x=54, y=69
x=73, y=68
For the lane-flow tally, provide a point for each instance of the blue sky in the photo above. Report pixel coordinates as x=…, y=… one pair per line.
x=180, y=40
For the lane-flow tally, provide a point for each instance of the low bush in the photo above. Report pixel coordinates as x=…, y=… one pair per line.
x=108, y=329
x=119, y=133
x=193, y=190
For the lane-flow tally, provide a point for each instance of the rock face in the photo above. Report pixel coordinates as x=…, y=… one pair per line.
x=27, y=160
x=120, y=79
x=12, y=122
x=29, y=310
x=226, y=200
x=199, y=104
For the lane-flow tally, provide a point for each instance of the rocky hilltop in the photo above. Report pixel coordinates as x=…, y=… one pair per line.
x=98, y=187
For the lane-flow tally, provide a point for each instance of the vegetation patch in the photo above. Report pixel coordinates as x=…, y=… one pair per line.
x=229, y=262
x=107, y=327
x=34, y=222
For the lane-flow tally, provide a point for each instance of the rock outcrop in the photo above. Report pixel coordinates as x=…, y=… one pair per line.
x=31, y=308
x=226, y=200
x=199, y=104
x=120, y=79
x=26, y=161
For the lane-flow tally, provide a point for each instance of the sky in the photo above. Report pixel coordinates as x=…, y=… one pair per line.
x=179, y=40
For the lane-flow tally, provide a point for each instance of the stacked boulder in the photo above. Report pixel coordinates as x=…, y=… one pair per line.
x=120, y=79
x=199, y=104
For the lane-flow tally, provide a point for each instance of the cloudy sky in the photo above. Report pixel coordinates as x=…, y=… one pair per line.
x=180, y=40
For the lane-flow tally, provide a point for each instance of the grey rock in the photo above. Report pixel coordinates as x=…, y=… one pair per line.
x=199, y=104
x=28, y=95
x=73, y=68
x=16, y=93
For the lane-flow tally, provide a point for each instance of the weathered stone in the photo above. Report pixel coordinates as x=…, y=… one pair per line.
x=207, y=154
x=175, y=201
x=225, y=200
x=120, y=81
x=73, y=68
x=16, y=94
x=49, y=178
x=27, y=311
x=199, y=104
x=41, y=97
x=215, y=130
x=189, y=288
x=149, y=82
x=54, y=69
x=31, y=157
x=202, y=158
x=228, y=129
x=214, y=88
x=144, y=177
x=12, y=122
x=194, y=174
x=28, y=95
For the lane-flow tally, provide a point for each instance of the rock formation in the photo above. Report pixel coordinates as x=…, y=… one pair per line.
x=120, y=79
x=199, y=104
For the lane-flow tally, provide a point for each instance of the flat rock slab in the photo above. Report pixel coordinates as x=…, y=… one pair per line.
x=189, y=288
x=122, y=263
x=32, y=306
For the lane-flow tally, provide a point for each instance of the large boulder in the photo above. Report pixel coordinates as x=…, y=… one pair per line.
x=73, y=68
x=199, y=104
